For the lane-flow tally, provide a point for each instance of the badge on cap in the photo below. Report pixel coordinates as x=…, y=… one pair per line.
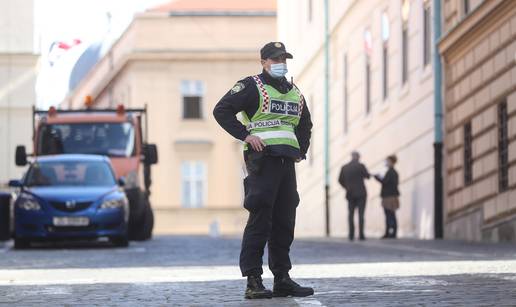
x=277, y=45
x=237, y=88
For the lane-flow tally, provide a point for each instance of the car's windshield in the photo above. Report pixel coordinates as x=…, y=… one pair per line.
x=110, y=139
x=70, y=173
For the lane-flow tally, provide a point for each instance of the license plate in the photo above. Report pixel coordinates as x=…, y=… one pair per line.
x=71, y=221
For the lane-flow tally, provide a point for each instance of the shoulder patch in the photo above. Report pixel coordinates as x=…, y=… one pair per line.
x=237, y=88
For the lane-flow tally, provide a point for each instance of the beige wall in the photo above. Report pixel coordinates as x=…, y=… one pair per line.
x=146, y=66
x=480, y=72
x=402, y=124
x=17, y=82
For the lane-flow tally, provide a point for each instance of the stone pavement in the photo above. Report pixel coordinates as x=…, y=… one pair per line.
x=203, y=271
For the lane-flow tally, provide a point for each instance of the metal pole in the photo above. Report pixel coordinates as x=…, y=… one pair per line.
x=326, y=117
x=438, y=110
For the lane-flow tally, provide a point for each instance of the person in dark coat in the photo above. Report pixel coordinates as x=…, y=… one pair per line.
x=351, y=178
x=390, y=197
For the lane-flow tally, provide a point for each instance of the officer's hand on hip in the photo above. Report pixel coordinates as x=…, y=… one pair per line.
x=256, y=143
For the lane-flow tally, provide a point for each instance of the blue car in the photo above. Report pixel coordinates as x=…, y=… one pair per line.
x=70, y=197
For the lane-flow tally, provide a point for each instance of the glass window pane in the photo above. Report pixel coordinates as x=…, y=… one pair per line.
x=199, y=190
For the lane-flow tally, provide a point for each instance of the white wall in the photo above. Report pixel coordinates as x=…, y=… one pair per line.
x=17, y=81
x=402, y=124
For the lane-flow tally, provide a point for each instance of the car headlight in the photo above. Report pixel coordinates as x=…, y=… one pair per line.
x=28, y=202
x=113, y=203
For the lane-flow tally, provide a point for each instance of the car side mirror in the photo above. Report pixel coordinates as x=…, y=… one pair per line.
x=121, y=181
x=21, y=155
x=150, y=152
x=15, y=183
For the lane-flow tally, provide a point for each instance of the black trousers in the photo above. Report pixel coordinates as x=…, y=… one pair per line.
x=271, y=198
x=356, y=203
x=390, y=222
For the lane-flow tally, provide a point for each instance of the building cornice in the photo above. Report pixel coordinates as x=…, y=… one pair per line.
x=483, y=17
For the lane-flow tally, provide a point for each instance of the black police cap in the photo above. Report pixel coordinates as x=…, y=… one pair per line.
x=274, y=50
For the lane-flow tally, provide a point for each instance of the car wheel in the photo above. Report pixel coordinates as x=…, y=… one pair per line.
x=119, y=241
x=20, y=243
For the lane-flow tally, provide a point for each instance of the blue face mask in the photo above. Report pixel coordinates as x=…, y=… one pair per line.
x=278, y=70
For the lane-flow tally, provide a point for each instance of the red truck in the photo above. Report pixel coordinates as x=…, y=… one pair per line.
x=120, y=134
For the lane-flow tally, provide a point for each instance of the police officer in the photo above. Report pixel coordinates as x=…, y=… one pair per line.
x=276, y=129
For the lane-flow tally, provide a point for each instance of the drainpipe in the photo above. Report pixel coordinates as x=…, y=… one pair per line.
x=438, y=113
x=326, y=117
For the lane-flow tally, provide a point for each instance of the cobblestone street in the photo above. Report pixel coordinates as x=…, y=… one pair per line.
x=203, y=271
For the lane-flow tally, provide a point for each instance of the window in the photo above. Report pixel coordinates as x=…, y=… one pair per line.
x=193, y=184
x=468, y=154
x=368, y=43
x=466, y=7
x=503, y=148
x=368, y=85
x=404, y=55
x=192, y=92
x=345, y=93
x=309, y=10
x=385, y=54
x=427, y=35
x=405, y=11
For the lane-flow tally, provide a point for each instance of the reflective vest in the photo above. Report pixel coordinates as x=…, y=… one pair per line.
x=277, y=115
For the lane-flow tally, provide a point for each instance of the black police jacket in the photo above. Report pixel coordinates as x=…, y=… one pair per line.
x=245, y=97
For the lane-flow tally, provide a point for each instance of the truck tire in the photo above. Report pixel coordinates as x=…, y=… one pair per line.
x=141, y=230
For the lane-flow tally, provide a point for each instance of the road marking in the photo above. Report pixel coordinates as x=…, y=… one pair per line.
x=425, y=250
x=228, y=273
x=308, y=302
x=391, y=291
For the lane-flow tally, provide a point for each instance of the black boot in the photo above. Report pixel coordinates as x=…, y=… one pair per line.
x=255, y=288
x=284, y=286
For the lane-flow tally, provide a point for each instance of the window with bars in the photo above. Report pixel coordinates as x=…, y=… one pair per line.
x=427, y=33
x=503, y=148
x=345, y=93
x=468, y=154
x=192, y=92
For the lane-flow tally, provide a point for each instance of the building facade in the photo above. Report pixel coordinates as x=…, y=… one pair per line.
x=18, y=64
x=179, y=59
x=380, y=103
x=479, y=57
